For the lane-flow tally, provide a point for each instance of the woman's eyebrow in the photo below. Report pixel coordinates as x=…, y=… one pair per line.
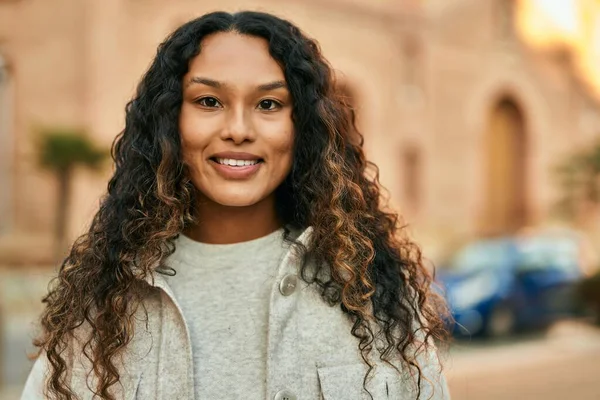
x=272, y=86
x=217, y=85
x=204, y=81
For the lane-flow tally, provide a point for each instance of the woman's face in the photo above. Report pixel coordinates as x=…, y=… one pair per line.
x=236, y=121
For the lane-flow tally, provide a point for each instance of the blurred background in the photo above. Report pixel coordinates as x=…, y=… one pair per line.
x=483, y=116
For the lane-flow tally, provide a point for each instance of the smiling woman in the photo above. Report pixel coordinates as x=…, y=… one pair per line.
x=241, y=250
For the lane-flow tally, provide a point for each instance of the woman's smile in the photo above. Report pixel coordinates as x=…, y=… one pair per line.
x=236, y=167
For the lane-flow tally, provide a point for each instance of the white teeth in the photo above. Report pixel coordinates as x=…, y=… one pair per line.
x=236, y=163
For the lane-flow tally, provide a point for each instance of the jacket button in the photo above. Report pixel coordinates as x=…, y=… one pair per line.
x=288, y=285
x=285, y=395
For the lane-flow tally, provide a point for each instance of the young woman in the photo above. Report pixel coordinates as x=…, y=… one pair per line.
x=241, y=251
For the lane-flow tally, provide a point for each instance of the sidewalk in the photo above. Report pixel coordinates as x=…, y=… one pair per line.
x=564, y=363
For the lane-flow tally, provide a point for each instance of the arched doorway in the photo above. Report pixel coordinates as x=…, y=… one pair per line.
x=505, y=177
x=6, y=149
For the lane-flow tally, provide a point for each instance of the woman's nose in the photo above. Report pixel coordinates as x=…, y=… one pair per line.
x=238, y=126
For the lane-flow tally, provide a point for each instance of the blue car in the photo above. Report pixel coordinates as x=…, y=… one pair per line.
x=495, y=287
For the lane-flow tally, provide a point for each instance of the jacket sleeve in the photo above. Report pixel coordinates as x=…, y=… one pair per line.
x=434, y=385
x=38, y=376
x=79, y=376
x=34, y=386
x=433, y=380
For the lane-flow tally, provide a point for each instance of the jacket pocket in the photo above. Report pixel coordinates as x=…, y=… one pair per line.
x=125, y=389
x=345, y=382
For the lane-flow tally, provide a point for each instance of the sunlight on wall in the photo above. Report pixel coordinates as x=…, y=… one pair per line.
x=562, y=14
x=575, y=23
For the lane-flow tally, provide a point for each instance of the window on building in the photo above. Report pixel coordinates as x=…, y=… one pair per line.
x=346, y=94
x=413, y=95
x=504, y=16
x=412, y=178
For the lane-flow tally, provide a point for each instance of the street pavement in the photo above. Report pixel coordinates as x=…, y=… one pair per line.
x=562, y=364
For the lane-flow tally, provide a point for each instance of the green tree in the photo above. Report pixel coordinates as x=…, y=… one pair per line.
x=61, y=151
x=579, y=180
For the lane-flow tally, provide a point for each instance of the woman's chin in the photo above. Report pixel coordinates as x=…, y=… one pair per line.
x=235, y=200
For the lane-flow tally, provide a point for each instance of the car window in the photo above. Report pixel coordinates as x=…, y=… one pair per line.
x=482, y=255
x=548, y=253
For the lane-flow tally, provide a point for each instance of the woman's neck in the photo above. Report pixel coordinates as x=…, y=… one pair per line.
x=218, y=224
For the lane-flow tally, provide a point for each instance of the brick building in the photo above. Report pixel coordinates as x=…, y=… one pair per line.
x=464, y=120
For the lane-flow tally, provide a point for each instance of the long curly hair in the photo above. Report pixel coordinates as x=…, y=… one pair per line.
x=366, y=265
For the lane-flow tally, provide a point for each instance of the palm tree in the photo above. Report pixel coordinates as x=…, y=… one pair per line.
x=61, y=151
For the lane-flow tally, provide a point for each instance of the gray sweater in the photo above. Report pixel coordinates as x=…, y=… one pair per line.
x=310, y=352
x=223, y=291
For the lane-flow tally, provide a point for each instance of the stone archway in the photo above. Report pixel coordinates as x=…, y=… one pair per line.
x=505, y=183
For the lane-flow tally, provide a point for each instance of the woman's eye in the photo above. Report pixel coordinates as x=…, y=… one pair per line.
x=268, y=105
x=209, y=102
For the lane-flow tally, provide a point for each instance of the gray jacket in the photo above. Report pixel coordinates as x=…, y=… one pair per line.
x=311, y=353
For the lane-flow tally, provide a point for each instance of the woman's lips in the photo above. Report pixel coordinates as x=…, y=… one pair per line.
x=229, y=172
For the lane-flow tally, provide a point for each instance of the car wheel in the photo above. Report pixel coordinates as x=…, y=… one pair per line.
x=501, y=322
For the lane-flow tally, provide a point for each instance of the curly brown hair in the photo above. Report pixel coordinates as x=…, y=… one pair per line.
x=365, y=263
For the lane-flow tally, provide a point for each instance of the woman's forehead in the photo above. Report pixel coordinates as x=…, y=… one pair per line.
x=231, y=58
